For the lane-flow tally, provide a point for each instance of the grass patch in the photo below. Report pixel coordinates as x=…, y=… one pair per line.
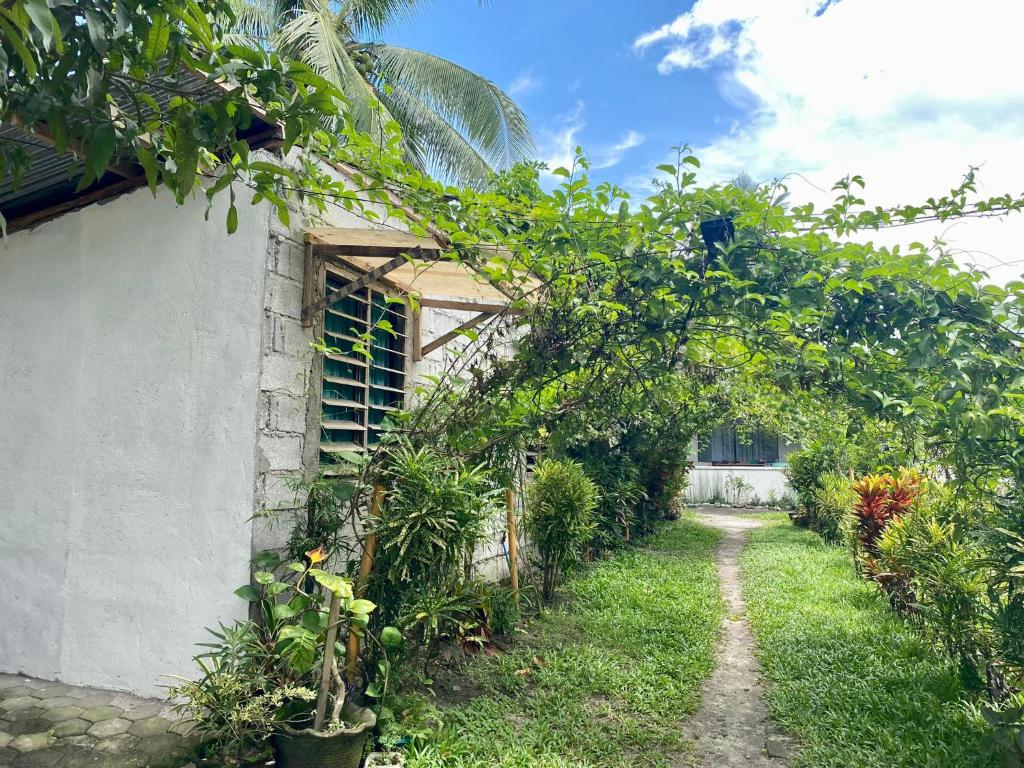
x=610, y=675
x=848, y=677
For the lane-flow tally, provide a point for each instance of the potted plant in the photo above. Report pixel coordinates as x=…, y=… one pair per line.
x=336, y=741
x=274, y=682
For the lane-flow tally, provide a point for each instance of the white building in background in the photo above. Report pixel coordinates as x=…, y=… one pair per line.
x=157, y=388
x=739, y=467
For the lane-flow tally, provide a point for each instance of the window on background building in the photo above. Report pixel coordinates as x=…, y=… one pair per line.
x=726, y=445
x=359, y=392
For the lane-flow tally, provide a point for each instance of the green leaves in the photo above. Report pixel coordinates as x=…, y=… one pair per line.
x=157, y=38
x=339, y=585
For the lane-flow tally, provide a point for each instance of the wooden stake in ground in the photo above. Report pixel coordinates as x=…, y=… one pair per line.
x=365, y=566
x=325, y=674
x=513, y=544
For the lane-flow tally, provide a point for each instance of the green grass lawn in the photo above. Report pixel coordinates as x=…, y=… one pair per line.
x=846, y=676
x=610, y=675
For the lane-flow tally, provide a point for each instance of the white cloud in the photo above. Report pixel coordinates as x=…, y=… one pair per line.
x=908, y=94
x=606, y=157
x=558, y=144
x=524, y=83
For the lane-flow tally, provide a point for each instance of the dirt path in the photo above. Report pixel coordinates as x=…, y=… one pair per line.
x=732, y=726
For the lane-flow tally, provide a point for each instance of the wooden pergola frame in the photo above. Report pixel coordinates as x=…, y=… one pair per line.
x=396, y=260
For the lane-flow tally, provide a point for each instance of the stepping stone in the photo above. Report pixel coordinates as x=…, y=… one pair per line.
x=117, y=743
x=82, y=742
x=18, y=702
x=183, y=727
x=162, y=743
x=96, y=698
x=66, y=712
x=107, y=728
x=42, y=758
x=5, y=739
x=17, y=690
x=151, y=726
x=24, y=715
x=95, y=714
x=53, y=690
x=57, y=701
x=35, y=725
x=31, y=742
x=143, y=711
x=73, y=727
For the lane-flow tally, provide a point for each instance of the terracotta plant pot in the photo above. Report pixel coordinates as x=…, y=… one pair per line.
x=341, y=748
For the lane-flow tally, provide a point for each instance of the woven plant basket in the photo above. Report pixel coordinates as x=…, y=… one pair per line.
x=307, y=748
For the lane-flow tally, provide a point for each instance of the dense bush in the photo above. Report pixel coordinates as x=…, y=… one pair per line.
x=943, y=574
x=807, y=466
x=560, y=517
x=832, y=510
x=880, y=500
x=435, y=512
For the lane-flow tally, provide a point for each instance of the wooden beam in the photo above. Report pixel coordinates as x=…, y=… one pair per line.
x=442, y=340
x=470, y=306
x=53, y=211
x=359, y=283
x=371, y=242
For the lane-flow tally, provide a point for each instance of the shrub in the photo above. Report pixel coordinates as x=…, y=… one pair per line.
x=806, y=467
x=880, y=499
x=434, y=514
x=833, y=507
x=560, y=517
x=944, y=576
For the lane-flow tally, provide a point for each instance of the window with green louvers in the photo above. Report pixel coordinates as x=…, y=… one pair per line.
x=359, y=390
x=727, y=445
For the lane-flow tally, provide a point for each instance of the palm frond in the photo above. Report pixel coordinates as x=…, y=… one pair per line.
x=254, y=22
x=480, y=111
x=370, y=17
x=432, y=143
x=315, y=34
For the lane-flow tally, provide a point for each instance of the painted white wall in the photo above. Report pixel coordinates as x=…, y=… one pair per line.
x=710, y=483
x=129, y=355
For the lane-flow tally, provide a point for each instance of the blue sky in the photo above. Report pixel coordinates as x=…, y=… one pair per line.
x=572, y=67
x=908, y=94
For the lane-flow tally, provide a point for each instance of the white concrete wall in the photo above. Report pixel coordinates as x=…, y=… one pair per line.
x=736, y=484
x=129, y=356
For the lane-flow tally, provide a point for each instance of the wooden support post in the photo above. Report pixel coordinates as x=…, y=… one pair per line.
x=365, y=566
x=513, y=544
x=325, y=674
x=416, y=333
x=310, y=275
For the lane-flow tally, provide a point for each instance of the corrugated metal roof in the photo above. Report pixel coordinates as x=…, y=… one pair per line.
x=46, y=169
x=51, y=177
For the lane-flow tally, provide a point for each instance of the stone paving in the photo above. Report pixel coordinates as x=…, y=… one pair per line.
x=52, y=725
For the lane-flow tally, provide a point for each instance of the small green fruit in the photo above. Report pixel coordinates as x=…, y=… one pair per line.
x=390, y=637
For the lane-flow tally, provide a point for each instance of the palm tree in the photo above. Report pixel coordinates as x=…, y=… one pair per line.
x=454, y=123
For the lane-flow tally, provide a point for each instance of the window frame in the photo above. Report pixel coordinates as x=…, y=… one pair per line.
x=347, y=386
x=758, y=435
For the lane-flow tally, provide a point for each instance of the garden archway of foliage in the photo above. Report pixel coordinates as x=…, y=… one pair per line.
x=633, y=313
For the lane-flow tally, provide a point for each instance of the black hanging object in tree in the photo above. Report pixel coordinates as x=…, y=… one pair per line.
x=716, y=232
